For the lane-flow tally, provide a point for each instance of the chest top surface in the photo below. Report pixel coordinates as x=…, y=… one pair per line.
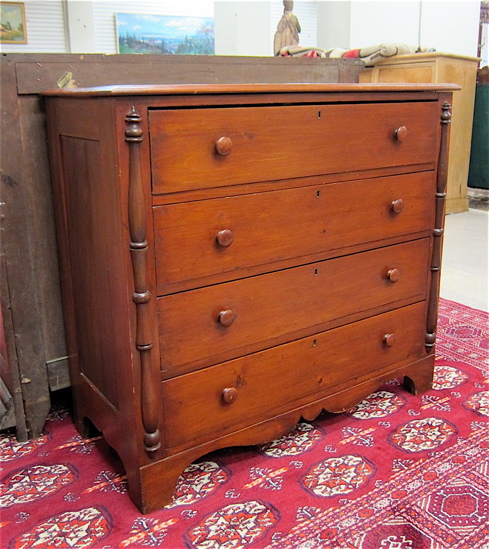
x=210, y=89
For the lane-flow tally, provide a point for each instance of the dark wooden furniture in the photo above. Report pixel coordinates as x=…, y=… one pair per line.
x=29, y=280
x=236, y=257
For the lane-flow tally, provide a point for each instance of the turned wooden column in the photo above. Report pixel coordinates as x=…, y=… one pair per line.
x=441, y=193
x=141, y=296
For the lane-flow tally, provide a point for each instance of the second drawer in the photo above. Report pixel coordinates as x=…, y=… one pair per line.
x=226, y=235
x=204, y=326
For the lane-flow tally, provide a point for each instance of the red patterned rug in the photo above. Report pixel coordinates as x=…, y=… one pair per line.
x=396, y=472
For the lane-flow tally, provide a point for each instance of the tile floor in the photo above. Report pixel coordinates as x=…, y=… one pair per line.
x=464, y=275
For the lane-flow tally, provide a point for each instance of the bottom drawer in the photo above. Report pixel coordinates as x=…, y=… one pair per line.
x=234, y=394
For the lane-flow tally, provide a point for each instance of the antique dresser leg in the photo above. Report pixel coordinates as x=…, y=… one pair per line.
x=419, y=378
x=83, y=426
x=159, y=480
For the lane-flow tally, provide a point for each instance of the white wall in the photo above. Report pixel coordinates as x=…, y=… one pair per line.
x=451, y=27
x=242, y=27
x=446, y=26
x=333, y=29
x=377, y=22
x=246, y=27
x=80, y=29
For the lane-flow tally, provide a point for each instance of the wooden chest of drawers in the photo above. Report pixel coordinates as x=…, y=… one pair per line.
x=235, y=258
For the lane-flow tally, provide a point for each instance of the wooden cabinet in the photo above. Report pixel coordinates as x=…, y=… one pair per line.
x=440, y=67
x=237, y=257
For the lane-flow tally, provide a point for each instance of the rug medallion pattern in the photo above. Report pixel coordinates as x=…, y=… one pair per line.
x=395, y=472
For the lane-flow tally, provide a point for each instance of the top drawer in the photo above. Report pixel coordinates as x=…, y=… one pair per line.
x=215, y=147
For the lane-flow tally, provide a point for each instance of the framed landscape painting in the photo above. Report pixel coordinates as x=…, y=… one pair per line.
x=167, y=34
x=12, y=23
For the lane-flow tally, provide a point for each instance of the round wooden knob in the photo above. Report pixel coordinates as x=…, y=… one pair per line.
x=397, y=206
x=229, y=395
x=389, y=340
x=225, y=238
x=401, y=133
x=226, y=318
x=224, y=146
x=393, y=275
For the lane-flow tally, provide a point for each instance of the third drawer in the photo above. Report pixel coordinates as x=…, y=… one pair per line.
x=219, y=322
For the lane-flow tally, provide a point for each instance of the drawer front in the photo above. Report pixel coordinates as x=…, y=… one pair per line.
x=203, y=148
x=200, y=239
x=271, y=381
x=219, y=322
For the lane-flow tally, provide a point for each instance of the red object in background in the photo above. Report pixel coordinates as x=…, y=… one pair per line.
x=352, y=53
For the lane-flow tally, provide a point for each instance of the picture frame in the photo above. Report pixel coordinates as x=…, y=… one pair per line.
x=164, y=34
x=12, y=23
